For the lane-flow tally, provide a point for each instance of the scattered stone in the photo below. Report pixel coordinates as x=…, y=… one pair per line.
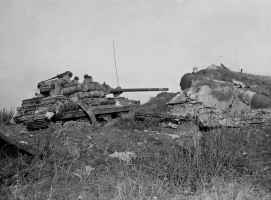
x=88, y=169
x=171, y=125
x=23, y=142
x=140, y=143
x=89, y=137
x=174, y=136
x=124, y=156
x=24, y=131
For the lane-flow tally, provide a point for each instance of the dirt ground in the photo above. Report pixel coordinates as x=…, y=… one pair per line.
x=179, y=156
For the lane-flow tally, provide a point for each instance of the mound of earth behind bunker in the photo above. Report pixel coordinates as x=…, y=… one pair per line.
x=257, y=84
x=158, y=103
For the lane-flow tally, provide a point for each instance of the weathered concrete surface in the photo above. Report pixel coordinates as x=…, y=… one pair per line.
x=221, y=73
x=215, y=96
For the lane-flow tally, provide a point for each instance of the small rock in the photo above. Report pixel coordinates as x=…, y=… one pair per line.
x=174, y=136
x=23, y=142
x=66, y=143
x=24, y=131
x=89, y=137
x=88, y=169
x=84, y=144
x=125, y=156
x=140, y=143
x=171, y=125
x=146, y=131
x=266, y=168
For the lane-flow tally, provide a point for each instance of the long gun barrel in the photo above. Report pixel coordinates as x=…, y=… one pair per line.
x=117, y=91
x=138, y=89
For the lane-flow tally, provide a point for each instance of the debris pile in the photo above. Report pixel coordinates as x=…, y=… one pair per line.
x=216, y=97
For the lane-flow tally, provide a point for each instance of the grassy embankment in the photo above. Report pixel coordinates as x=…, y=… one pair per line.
x=220, y=164
x=6, y=115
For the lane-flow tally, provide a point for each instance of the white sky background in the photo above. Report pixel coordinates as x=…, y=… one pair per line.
x=156, y=41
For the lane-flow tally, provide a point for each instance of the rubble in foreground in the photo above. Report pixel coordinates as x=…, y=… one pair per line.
x=78, y=157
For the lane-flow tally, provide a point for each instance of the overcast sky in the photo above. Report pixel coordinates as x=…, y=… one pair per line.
x=156, y=41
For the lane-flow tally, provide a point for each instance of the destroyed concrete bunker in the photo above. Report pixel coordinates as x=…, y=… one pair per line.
x=217, y=96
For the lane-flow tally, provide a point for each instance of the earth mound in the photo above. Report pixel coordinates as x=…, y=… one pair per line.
x=158, y=103
x=257, y=84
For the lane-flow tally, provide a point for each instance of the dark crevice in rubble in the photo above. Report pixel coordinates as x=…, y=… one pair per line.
x=12, y=148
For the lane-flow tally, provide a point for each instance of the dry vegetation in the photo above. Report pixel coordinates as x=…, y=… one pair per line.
x=219, y=164
x=6, y=115
x=260, y=77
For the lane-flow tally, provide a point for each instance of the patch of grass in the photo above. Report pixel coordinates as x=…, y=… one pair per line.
x=221, y=190
x=121, y=181
x=211, y=165
x=221, y=152
x=227, y=153
x=6, y=115
x=195, y=164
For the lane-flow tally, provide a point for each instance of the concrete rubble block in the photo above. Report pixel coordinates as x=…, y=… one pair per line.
x=224, y=99
x=124, y=156
x=238, y=83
